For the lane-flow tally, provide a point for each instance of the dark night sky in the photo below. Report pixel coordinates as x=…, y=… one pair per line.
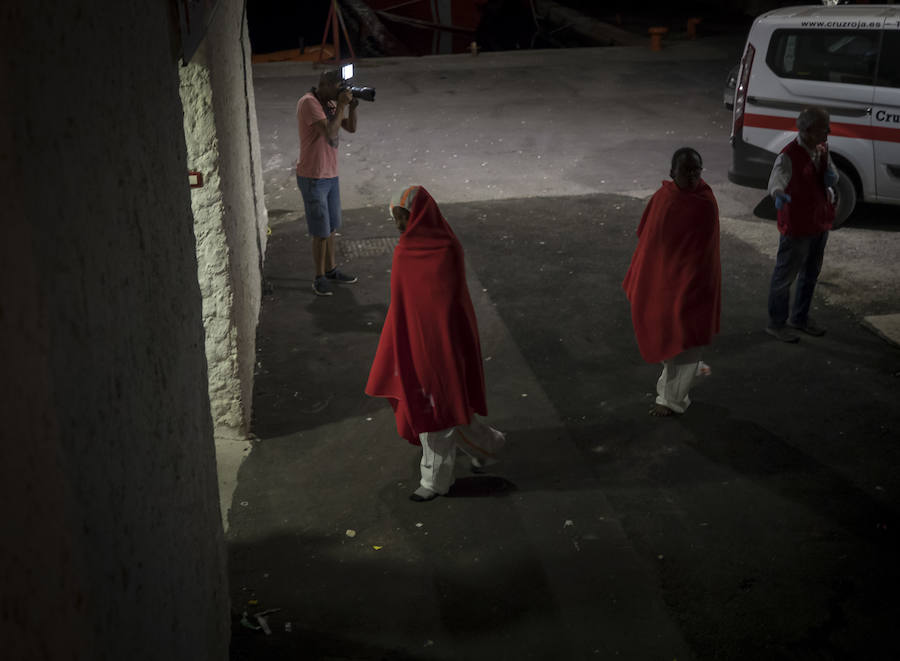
x=280, y=25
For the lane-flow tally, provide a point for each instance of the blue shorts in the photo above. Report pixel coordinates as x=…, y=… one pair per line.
x=322, y=203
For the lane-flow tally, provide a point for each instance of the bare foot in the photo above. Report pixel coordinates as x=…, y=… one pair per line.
x=660, y=411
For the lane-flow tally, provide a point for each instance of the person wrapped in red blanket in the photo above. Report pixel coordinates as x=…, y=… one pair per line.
x=675, y=279
x=428, y=363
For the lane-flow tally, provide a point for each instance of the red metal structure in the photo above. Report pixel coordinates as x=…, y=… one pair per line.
x=335, y=17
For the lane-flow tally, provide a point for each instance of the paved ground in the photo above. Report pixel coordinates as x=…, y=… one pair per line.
x=763, y=524
x=557, y=123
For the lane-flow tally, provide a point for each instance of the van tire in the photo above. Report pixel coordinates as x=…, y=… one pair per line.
x=846, y=198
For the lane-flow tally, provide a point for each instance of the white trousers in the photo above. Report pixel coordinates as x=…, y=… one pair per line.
x=478, y=440
x=674, y=385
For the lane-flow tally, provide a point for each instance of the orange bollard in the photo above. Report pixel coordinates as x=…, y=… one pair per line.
x=692, y=27
x=656, y=35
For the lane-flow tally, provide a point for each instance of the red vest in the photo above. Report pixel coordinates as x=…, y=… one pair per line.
x=809, y=212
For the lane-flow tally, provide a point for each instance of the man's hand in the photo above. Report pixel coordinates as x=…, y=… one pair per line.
x=781, y=198
x=344, y=98
x=349, y=123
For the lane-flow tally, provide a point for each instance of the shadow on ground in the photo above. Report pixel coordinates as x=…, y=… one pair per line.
x=766, y=517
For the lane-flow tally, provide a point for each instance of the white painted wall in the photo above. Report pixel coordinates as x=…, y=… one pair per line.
x=112, y=542
x=230, y=224
x=245, y=219
x=229, y=211
x=213, y=254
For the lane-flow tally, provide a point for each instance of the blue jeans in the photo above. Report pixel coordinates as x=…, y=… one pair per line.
x=322, y=203
x=800, y=258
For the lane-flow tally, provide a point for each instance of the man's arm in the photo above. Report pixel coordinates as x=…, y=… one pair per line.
x=781, y=175
x=329, y=128
x=831, y=173
x=349, y=123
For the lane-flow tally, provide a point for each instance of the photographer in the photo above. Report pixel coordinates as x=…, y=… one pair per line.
x=320, y=116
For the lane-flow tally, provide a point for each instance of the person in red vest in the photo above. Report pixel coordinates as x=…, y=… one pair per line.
x=674, y=282
x=428, y=362
x=802, y=184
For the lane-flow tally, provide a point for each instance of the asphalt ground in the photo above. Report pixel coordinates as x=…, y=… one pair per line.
x=762, y=524
x=558, y=123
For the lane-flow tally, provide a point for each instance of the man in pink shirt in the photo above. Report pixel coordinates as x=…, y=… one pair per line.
x=320, y=116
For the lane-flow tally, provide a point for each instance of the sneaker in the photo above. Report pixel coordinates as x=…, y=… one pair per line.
x=784, y=334
x=422, y=495
x=481, y=465
x=321, y=286
x=809, y=327
x=339, y=276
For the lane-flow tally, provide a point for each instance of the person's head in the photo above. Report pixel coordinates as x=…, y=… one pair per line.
x=687, y=167
x=401, y=204
x=401, y=218
x=814, y=125
x=329, y=84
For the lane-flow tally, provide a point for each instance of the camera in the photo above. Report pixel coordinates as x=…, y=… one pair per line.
x=358, y=91
x=364, y=93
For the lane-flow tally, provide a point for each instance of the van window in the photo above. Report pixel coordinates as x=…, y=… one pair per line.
x=889, y=65
x=837, y=56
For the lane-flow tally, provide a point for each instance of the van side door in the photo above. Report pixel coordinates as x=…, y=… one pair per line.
x=827, y=67
x=886, y=117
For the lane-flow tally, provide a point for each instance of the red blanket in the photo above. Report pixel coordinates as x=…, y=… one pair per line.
x=674, y=282
x=428, y=362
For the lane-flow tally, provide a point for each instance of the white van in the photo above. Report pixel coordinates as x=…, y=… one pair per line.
x=845, y=59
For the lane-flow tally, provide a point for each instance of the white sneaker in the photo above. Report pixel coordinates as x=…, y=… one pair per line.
x=479, y=465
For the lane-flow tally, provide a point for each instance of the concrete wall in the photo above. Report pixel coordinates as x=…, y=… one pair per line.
x=229, y=211
x=230, y=223
x=213, y=255
x=112, y=543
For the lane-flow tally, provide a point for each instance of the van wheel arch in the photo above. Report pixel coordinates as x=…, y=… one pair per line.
x=849, y=189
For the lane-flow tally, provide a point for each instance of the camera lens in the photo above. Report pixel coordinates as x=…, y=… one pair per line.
x=364, y=93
